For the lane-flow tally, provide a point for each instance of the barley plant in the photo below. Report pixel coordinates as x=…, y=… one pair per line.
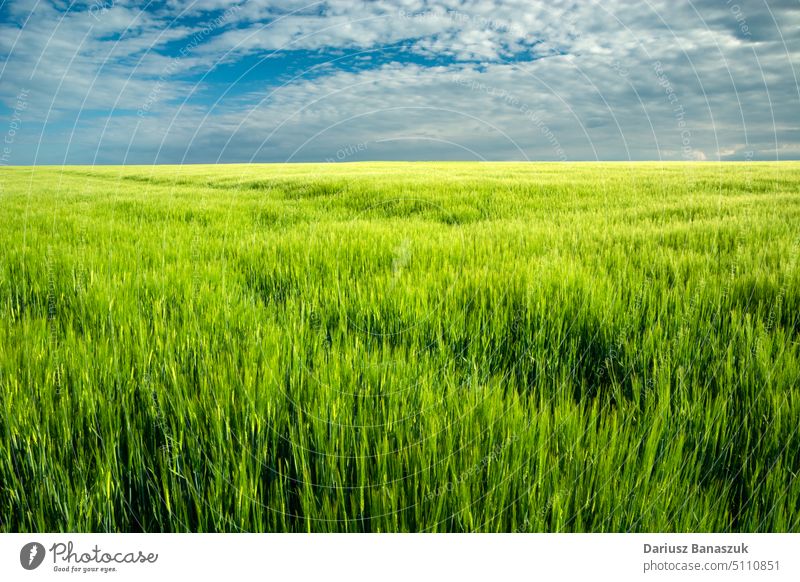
x=398, y=347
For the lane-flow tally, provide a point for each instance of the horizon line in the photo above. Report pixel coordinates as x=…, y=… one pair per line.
x=363, y=162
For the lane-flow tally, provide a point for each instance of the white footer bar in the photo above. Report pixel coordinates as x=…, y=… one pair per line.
x=402, y=557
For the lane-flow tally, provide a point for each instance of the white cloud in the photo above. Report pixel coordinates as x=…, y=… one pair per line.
x=539, y=80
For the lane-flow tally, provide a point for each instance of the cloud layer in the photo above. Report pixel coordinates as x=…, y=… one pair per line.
x=341, y=80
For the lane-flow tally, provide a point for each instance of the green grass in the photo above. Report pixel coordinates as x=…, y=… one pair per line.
x=400, y=347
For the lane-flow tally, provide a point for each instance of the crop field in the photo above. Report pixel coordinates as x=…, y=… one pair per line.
x=379, y=347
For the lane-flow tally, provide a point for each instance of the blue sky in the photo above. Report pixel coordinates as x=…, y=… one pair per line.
x=112, y=81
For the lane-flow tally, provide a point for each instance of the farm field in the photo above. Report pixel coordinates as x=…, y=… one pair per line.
x=400, y=347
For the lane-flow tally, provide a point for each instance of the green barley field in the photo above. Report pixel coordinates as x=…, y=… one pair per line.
x=400, y=347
